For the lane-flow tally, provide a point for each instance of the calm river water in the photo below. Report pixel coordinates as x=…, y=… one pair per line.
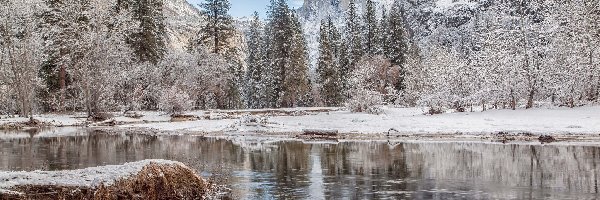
x=346, y=170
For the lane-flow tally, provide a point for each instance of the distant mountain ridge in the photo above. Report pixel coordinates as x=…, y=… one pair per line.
x=183, y=21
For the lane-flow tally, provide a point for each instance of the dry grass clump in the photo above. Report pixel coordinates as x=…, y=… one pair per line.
x=153, y=182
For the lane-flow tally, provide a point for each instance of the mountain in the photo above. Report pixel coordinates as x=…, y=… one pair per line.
x=183, y=21
x=446, y=22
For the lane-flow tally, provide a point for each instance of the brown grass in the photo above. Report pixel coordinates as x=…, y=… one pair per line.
x=153, y=182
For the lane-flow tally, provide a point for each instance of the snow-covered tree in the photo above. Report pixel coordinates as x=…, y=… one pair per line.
x=174, y=101
x=397, y=41
x=382, y=37
x=376, y=74
x=285, y=59
x=20, y=55
x=296, y=84
x=353, y=38
x=218, y=29
x=148, y=38
x=255, y=63
x=327, y=68
x=369, y=30
x=101, y=52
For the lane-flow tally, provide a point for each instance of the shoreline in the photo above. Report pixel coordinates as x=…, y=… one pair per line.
x=505, y=126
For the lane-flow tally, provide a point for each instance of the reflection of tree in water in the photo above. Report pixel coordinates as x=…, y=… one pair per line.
x=362, y=170
x=508, y=171
x=372, y=167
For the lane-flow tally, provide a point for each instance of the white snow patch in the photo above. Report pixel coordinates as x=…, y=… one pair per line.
x=443, y=5
x=89, y=177
x=583, y=120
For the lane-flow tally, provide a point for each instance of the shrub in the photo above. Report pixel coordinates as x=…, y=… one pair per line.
x=365, y=101
x=174, y=101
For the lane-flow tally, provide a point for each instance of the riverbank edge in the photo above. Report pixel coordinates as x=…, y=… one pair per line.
x=149, y=179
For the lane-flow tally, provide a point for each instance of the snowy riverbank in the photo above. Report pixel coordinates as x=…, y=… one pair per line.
x=582, y=120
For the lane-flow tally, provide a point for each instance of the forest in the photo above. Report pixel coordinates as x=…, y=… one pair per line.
x=98, y=56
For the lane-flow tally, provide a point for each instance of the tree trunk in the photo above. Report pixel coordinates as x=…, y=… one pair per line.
x=513, y=101
x=530, y=99
x=61, y=79
x=571, y=102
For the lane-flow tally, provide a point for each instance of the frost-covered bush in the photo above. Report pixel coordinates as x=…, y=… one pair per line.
x=174, y=101
x=199, y=74
x=376, y=74
x=7, y=103
x=373, y=83
x=365, y=101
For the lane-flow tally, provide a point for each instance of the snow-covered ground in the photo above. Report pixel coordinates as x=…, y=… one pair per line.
x=583, y=120
x=89, y=177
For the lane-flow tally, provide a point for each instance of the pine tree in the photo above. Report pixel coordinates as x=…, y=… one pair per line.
x=352, y=46
x=382, y=46
x=353, y=35
x=296, y=85
x=370, y=29
x=148, y=40
x=397, y=41
x=255, y=63
x=64, y=23
x=279, y=35
x=218, y=29
x=328, y=70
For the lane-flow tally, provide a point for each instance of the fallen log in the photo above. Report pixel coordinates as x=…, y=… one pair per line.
x=316, y=134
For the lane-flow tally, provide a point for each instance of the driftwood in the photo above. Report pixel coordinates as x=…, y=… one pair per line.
x=315, y=134
x=546, y=139
x=277, y=112
x=183, y=118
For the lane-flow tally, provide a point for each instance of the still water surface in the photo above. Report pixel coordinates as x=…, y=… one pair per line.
x=346, y=170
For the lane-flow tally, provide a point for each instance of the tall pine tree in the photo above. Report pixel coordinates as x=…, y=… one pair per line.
x=296, y=85
x=285, y=69
x=218, y=29
x=382, y=46
x=370, y=28
x=398, y=47
x=327, y=67
x=148, y=40
x=279, y=50
x=353, y=35
x=255, y=63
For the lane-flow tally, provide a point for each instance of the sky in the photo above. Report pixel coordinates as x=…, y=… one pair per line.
x=244, y=8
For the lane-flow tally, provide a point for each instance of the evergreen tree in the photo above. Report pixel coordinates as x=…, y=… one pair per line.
x=255, y=63
x=353, y=49
x=218, y=29
x=329, y=76
x=296, y=85
x=64, y=23
x=216, y=35
x=279, y=35
x=148, y=41
x=370, y=29
x=382, y=46
x=353, y=35
x=397, y=41
x=269, y=74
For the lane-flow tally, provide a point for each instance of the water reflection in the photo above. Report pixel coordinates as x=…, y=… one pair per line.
x=354, y=170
